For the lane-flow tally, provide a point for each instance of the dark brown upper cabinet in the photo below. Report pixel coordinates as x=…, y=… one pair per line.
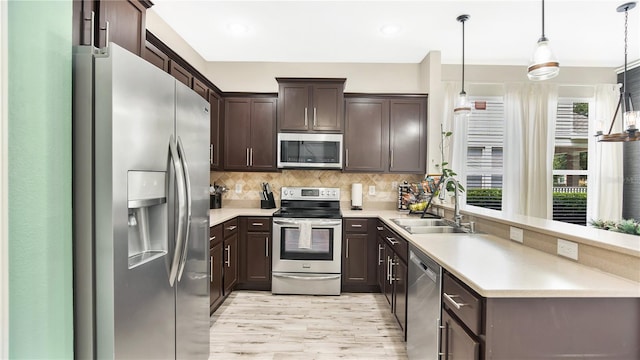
x=249, y=133
x=217, y=119
x=155, y=56
x=118, y=21
x=313, y=105
x=200, y=87
x=180, y=73
x=385, y=134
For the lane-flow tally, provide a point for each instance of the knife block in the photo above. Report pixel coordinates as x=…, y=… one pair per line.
x=270, y=203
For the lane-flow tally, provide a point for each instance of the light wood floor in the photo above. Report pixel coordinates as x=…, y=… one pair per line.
x=259, y=325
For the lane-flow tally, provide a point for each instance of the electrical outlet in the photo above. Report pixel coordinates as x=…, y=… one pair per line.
x=394, y=185
x=238, y=188
x=516, y=234
x=372, y=189
x=568, y=249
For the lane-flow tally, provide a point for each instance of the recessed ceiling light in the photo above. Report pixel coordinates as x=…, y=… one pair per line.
x=389, y=29
x=238, y=28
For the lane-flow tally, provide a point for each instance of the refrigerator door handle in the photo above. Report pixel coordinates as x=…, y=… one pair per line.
x=187, y=180
x=181, y=210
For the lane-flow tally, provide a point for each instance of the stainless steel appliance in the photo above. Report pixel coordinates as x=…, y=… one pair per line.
x=423, y=306
x=310, y=150
x=141, y=225
x=307, y=242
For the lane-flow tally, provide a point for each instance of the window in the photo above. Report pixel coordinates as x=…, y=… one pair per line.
x=484, y=153
x=570, y=161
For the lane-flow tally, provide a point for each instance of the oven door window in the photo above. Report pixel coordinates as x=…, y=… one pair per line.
x=321, y=244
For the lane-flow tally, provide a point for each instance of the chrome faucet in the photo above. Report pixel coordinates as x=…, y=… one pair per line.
x=456, y=211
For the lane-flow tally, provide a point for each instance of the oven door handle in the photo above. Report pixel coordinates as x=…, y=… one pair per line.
x=313, y=223
x=300, y=277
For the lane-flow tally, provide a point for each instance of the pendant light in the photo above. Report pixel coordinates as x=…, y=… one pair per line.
x=544, y=64
x=630, y=116
x=462, y=107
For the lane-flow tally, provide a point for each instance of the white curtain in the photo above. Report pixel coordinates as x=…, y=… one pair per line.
x=530, y=112
x=513, y=197
x=604, y=197
x=456, y=146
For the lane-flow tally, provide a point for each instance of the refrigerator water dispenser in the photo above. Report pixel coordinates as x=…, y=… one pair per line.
x=146, y=202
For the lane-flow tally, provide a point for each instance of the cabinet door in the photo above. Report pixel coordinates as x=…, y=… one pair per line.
x=201, y=88
x=262, y=153
x=366, y=135
x=354, y=259
x=400, y=274
x=388, y=282
x=215, y=146
x=328, y=107
x=215, y=277
x=258, y=257
x=407, y=136
x=294, y=110
x=127, y=25
x=155, y=56
x=237, y=125
x=381, y=266
x=455, y=342
x=180, y=73
x=230, y=273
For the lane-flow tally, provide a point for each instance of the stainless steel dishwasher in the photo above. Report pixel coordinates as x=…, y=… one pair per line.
x=423, y=306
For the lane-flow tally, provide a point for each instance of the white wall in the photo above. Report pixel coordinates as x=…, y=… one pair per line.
x=4, y=237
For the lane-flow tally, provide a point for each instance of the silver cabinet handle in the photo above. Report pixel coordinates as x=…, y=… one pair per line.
x=228, y=261
x=210, y=154
x=211, y=268
x=356, y=225
x=380, y=259
x=250, y=156
x=450, y=300
x=266, y=246
x=347, y=249
x=212, y=238
x=256, y=224
x=315, y=123
x=232, y=227
x=306, y=118
x=380, y=228
x=106, y=34
x=393, y=241
x=391, y=158
x=247, y=157
x=92, y=33
x=389, y=269
x=346, y=157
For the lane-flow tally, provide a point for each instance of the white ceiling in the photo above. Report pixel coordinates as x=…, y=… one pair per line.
x=581, y=33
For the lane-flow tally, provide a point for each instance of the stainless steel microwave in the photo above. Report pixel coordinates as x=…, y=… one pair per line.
x=305, y=150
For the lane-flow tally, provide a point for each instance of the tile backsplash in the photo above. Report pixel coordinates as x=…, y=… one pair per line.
x=385, y=197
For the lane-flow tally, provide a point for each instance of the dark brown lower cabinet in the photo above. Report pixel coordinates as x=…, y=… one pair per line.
x=215, y=276
x=255, y=253
x=230, y=272
x=393, y=271
x=456, y=343
x=400, y=274
x=359, y=258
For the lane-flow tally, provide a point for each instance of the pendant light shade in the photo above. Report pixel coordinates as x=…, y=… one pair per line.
x=462, y=106
x=544, y=64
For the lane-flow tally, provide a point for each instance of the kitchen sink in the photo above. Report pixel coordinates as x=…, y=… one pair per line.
x=409, y=222
x=434, y=229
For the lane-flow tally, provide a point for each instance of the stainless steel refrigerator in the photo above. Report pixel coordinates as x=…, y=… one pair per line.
x=141, y=225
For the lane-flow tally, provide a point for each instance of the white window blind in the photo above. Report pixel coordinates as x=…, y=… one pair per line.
x=485, y=138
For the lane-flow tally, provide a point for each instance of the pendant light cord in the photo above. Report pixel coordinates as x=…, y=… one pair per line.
x=624, y=74
x=462, y=92
x=543, y=37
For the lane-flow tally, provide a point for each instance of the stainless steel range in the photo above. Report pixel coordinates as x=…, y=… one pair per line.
x=307, y=242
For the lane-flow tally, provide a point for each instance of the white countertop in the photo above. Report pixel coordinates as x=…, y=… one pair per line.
x=492, y=266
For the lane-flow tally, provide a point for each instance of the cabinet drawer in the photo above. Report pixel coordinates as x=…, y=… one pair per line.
x=230, y=227
x=397, y=243
x=355, y=225
x=463, y=303
x=258, y=224
x=215, y=235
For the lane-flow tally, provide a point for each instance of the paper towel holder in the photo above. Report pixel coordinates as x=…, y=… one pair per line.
x=356, y=196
